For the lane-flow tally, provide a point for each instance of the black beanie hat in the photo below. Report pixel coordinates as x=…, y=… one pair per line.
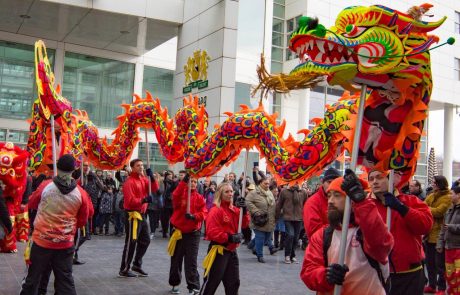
x=66, y=163
x=331, y=174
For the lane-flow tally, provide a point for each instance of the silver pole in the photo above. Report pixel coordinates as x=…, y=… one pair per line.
x=353, y=164
x=147, y=149
x=391, y=189
x=243, y=192
x=82, y=177
x=53, y=144
x=189, y=193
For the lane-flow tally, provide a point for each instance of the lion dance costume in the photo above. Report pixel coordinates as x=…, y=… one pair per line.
x=13, y=173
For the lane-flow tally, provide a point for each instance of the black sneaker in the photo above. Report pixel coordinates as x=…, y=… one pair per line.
x=261, y=259
x=273, y=251
x=126, y=274
x=139, y=271
x=77, y=262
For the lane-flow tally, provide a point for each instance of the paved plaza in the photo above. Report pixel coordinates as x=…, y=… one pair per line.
x=103, y=254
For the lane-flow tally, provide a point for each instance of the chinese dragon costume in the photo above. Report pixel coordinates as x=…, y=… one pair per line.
x=377, y=46
x=13, y=173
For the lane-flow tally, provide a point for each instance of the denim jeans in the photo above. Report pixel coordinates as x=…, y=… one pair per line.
x=262, y=238
x=118, y=218
x=292, y=237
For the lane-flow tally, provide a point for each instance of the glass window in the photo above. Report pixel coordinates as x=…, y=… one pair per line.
x=277, y=67
x=278, y=10
x=278, y=25
x=159, y=82
x=98, y=85
x=277, y=54
x=17, y=79
x=457, y=22
x=277, y=39
x=157, y=161
x=457, y=68
x=276, y=106
x=279, y=1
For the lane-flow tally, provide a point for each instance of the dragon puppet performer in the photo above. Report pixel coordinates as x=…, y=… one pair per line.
x=13, y=173
x=381, y=47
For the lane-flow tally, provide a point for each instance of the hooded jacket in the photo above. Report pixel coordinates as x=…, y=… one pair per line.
x=362, y=278
x=315, y=212
x=61, y=208
x=438, y=202
x=197, y=208
x=257, y=202
x=290, y=203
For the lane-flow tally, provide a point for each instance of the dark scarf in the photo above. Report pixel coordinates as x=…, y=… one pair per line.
x=64, y=184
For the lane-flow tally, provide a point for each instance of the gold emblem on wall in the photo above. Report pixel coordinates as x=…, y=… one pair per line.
x=196, y=71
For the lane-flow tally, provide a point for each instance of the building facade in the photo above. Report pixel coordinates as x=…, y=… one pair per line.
x=104, y=51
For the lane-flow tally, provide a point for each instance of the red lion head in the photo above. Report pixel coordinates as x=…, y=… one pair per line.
x=13, y=173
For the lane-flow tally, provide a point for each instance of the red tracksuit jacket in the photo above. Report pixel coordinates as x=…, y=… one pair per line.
x=315, y=212
x=377, y=243
x=135, y=189
x=408, y=231
x=224, y=221
x=197, y=208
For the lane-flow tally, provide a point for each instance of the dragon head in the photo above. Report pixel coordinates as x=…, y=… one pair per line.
x=368, y=45
x=50, y=101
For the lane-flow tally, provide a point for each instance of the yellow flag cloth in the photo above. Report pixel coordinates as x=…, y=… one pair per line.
x=209, y=259
x=176, y=236
x=135, y=217
x=83, y=230
x=27, y=252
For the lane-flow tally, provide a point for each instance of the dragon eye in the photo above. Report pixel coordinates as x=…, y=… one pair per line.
x=353, y=31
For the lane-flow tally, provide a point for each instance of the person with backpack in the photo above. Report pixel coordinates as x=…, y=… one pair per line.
x=118, y=212
x=410, y=220
x=366, y=265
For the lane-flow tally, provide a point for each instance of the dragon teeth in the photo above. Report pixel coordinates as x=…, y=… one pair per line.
x=311, y=44
x=335, y=60
x=343, y=60
x=302, y=48
x=319, y=57
x=320, y=45
x=328, y=61
x=331, y=46
x=339, y=48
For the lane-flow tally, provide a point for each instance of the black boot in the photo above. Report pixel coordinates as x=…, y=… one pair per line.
x=276, y=237
x=283, y=238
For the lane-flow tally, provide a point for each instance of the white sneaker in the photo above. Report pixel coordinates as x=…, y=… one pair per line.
x=287, y=260
x=294, y=260
x=152, y=236
x=193, y=292
x=175, y=290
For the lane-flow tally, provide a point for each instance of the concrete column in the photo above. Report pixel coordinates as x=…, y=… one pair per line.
x=59, y=64
x=139, y=74
x=209, y=26
x=448, y=142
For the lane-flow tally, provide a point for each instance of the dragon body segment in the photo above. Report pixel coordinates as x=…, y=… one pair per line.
x=375, y=45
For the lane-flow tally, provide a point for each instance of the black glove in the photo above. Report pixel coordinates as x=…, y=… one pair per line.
x=393, y=202
x=240, y=202
x=148, y=199
x=235, y=238
x=352, y=186
x=190, y=216
x=186, y=178
x=149, y=173
x=335, y=273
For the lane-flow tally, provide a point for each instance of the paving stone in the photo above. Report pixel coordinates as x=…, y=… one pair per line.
x=102, y=255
